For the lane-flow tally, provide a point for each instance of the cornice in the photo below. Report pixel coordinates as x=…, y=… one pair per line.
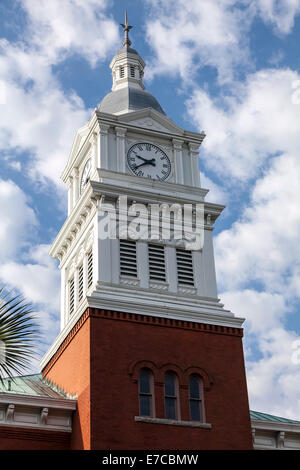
x=174, y=130
x=146, y=189
x=120, y=299
x=124, y=121
x=275, y=426
x=37, y=401
x=36, y=412
x=78, y=220
x=66, y=336
x=113, y=185
x=77, y=154
x=163, y=305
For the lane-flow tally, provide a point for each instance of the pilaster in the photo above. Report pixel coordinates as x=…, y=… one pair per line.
x=171, y=268
x=103, y=154
x=194, y=161
x=75, y=176
x=63, y=287
x=70, y=194
x=120, y=136
x=177, y=148
x=94, y=151
x=143, y=268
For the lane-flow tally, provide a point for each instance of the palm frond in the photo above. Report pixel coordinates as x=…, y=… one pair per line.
x=18, y=334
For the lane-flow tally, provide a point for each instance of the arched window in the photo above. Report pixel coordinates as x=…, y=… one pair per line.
x=146, y=395
x=196, y=398
x=171, y=396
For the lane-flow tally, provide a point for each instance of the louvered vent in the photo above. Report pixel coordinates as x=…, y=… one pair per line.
x=90, y=269
x=157, y=264
x=80, y=283
x=185, y=271
x=71, y=296
x=128, y=263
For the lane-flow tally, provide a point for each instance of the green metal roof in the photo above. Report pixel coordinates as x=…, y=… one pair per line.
x=266, y=417
x=31, y=385
x=35, y=385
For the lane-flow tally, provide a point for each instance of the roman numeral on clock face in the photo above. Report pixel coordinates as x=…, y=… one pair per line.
x=149, y=161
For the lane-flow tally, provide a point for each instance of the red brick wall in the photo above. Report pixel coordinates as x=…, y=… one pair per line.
x=118, y=345
x=31, y=439
x=70, y=370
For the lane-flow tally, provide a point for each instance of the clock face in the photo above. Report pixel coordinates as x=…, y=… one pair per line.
x=148, y=161
x=85, y=178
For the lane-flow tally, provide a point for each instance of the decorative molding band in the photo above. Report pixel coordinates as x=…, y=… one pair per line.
x=166, y=322
x=129, y=281
x=159, y=285
x=187, y=290
x=142, y=319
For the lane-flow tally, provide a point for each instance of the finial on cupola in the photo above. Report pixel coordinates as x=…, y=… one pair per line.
x=126, y=28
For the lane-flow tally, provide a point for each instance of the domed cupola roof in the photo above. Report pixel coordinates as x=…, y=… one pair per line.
x=128, y=91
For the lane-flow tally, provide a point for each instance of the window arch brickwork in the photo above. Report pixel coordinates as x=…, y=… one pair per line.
x=159, y=371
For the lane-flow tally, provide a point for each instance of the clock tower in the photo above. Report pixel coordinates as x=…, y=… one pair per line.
x=154, y=358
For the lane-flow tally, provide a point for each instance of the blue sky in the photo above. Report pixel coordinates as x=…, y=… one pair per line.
x=231, y=68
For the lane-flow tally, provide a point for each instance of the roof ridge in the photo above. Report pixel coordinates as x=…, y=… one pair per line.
x=277, y=418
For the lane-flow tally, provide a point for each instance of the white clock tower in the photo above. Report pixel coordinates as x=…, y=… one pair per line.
x=131, y=149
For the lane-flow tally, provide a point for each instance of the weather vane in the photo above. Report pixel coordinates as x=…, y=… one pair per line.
x=126, y=28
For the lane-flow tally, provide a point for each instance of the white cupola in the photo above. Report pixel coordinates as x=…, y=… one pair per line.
x=128, y=91
x=127, y=66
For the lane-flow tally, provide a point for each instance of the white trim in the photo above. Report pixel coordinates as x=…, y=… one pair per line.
x=207, y=312
x=275, y=426
x=172, y=422
x=37, y=401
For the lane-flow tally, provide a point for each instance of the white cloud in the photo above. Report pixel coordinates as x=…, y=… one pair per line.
x=216, y=192
x=39, y=283
x=253, y=135
x=280, y=13
x=244, y=128
x=263, y=245
x=36, y=276
x=263, y=310
x=186, y=35
x=37, y=116
x=26, y=268
x=17, y=220
x=46, y=117
x=73, y=26
x=273, y=378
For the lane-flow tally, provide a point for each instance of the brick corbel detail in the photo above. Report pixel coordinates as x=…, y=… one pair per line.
x=139, y=318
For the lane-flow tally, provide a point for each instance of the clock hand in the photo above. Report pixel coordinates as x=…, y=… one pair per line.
x=145, y=159
x=147, y=162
